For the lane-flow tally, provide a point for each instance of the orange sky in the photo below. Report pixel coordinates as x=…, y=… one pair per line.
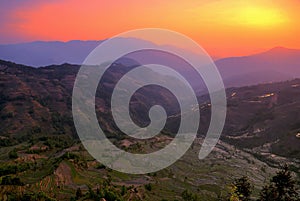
x=222, y=27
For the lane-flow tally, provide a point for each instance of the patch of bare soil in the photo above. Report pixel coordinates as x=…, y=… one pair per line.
x=126, y=143
x=63, y=176
x=29, y=157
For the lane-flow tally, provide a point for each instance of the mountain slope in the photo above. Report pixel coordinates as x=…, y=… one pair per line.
x=277, y=64
x=38, y=100
x=37, y=127
x=35, y=101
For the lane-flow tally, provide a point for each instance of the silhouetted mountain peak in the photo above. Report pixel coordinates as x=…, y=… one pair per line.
x=276, y=64
x=281, y=52
x=278, y=49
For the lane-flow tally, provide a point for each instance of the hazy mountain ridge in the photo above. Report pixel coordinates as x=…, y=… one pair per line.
x=277, y=64
x=41, y=53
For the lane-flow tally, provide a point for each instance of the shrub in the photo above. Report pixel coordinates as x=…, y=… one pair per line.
x=13, y=154
x=148, y=187
x=188, y=196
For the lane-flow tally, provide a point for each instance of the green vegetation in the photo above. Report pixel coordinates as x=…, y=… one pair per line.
x=281, y=187
x=40, y=196
x=65, y=171
x=41, y=157
x=148, y=187
x=8, y=180
x=188, y=196
x=13, y=154
x=78, y=194
x=5, y=142
x=241, y=189
x=13, y=169
x=108, y=193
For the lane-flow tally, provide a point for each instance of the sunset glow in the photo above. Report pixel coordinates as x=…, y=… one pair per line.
x=223, y=28
x=261, y=17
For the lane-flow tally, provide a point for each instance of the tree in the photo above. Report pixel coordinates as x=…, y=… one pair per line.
x=241, y=189
x=78, y=193
x=281, y=187
x=123, y=190
x=268, y=193
x=188, y=196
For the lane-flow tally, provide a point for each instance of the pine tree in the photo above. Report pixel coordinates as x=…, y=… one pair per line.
x=241, y=189
x=78, y=193
x=281, y=188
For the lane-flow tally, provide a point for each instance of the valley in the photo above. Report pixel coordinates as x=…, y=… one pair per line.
x=42, y=157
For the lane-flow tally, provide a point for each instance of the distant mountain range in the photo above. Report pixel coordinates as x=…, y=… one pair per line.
x=41, y=53
x=277, y=64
